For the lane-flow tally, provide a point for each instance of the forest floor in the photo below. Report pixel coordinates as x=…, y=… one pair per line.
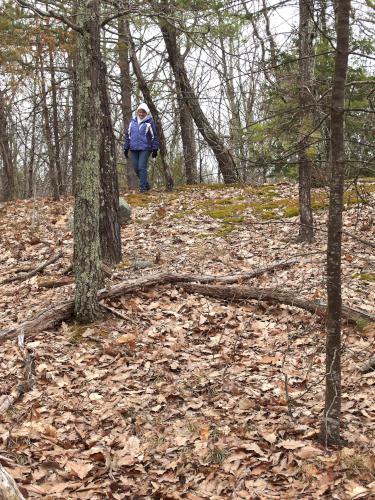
x=187, y=396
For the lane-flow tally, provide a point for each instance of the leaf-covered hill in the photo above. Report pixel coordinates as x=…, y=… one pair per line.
x=172, y=394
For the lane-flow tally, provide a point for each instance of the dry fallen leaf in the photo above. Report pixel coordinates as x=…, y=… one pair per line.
x=80, y=469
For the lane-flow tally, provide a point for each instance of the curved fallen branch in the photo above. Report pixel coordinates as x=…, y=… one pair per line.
x=52, y=316
x=30, y=274
x=234, y=293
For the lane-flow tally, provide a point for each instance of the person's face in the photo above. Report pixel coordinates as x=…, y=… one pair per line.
x=141, y=113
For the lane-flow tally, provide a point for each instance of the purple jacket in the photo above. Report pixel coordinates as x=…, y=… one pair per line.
x=141, y=136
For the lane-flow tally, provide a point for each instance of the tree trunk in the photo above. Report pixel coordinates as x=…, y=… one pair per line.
x=110, y=237
x=187, y=137
x=47, y=129
x=330, y=430
x=154, y=112
x=223, y=156
x=306, y=11
x=8, y=168
x=55, y=123
x=73, y=76
x=126, y=90
x=31, y=163
x=87, y=263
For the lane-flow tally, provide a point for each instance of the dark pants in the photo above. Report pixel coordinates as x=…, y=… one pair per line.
x=140, y=164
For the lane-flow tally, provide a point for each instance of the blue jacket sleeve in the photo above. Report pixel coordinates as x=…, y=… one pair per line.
x=155, y=140
x=127, y=139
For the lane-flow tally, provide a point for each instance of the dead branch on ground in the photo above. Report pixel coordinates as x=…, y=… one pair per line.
x=28, y=380
x=235, y=293
x=30, y=274
x=55, y=314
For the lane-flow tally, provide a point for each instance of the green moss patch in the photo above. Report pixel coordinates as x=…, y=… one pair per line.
x=365, y=276
x=227, y=211
x=139, y=200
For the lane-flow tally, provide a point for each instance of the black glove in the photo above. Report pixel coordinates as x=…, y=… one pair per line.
x=154, y=153
x=126, y=153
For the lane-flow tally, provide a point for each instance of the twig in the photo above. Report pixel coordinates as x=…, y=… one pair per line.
x=113, y=311
x=30, y=274
x=28, y=381
x=361, y=240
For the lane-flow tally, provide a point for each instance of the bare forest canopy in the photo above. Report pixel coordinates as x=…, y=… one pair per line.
x=240, y=65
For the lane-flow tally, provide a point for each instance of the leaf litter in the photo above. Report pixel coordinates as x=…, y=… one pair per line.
x=185, y=396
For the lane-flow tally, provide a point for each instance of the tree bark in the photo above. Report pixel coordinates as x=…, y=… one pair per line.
x=126, y=90
x=110, y=237
x=73, y=76
x=8, y=168
x=55, y=123
x=31, y=162
x=306, y=11
x=187, y=137
x=226, y=164
x=330, y=429
x=154, y=112
x=87, y=259
x=47, y=128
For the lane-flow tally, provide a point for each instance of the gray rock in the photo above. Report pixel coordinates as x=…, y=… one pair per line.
x=125, y=211
x=141, y=264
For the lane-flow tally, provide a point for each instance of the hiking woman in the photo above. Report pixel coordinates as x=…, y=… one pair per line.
x=142, y=141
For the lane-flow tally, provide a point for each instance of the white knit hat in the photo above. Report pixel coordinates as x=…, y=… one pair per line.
x=144, y=106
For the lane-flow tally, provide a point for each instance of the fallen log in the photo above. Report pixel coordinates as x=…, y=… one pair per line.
x=30, y=274
x=8, y=487
x=52, y=316
x=235, y=293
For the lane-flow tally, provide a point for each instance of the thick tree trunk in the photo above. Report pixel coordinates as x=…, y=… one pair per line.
x=306, y=11
x=126, y=91
x=110, y=237
x=55, y=123
x=227, y=166
x=87, y=263
x=8, y=169
x=155, y=114
x=330, y=430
